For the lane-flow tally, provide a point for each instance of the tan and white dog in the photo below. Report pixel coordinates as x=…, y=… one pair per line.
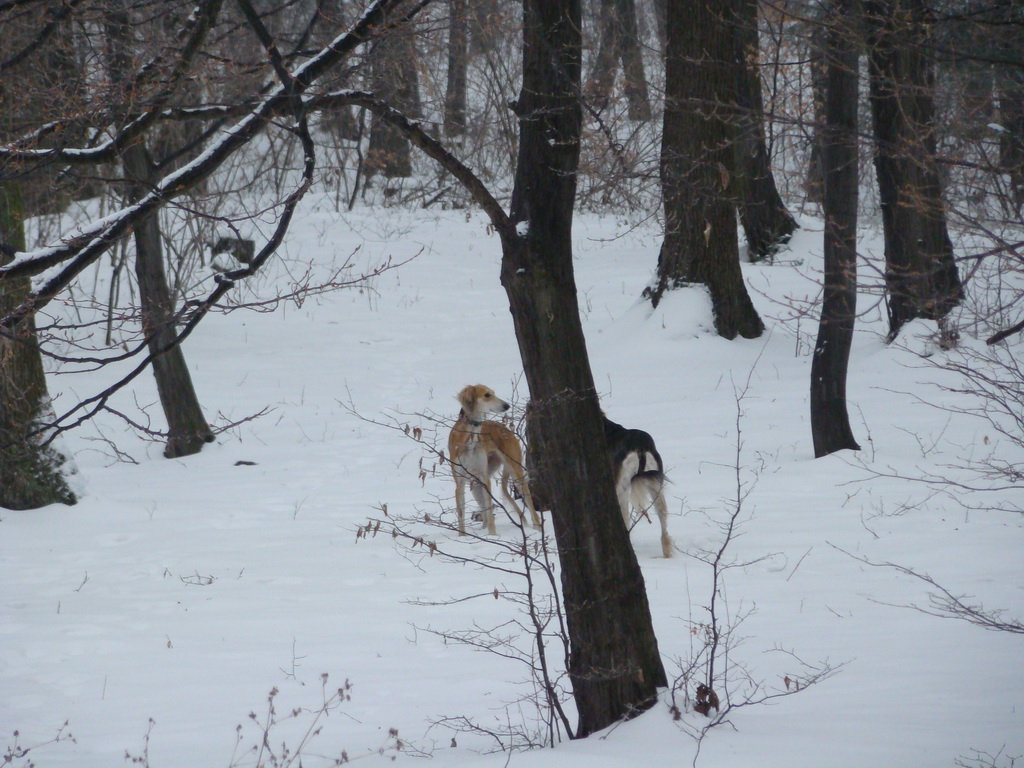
x=477, y=448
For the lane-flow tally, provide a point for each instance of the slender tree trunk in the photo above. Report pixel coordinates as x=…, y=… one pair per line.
x=697, y=164
x=31, y=474
x=614, y=663
x=1010, y=93
x=814, y=183
x=620, y=42
x=661, y=21
x=634, y=78
x=921, y=274
x=830, y=421
x=766, y=221
x=458, y=64
x=334, y=16
x=395, y=80
x=186, y=426
x=602, y=76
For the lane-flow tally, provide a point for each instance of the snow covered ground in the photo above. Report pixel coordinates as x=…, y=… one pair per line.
x=156, y=616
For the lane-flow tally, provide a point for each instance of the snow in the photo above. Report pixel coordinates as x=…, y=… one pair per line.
x=184, y=591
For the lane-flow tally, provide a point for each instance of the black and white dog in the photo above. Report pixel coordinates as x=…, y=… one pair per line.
x=639, y=475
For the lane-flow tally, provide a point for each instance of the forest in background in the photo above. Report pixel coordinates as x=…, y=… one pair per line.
x=201, y=128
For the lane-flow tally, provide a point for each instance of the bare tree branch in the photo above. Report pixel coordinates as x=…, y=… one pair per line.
x=946, y=605
x=78, y=252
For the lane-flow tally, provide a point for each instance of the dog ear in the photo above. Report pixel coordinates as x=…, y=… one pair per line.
x=466, y=397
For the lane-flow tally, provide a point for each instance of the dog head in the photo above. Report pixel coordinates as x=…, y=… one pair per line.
x=476, y=400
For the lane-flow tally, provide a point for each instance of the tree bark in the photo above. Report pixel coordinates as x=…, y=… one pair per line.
x=814, y=182
x=395, y=80
x=614, y=664
x=830, y=421
x=620, y=41
x=458, y=64
x=921, y=274
x=697, y=164
x=767, y=224
x=31, y=474
x=1010, y=93
x=187, y=428
x=634, y=79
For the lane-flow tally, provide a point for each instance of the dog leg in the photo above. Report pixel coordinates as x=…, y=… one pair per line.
x=517, y=476
x=524, y=490
x=492, y=528
x=642, y=495
x=509, y=501
x=482, y=494
x=519, y=482
x=460, y=503
x=624, y=485
x=623, y=492
x=662, y=508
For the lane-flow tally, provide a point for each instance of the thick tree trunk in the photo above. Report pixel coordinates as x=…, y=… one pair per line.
x=614, y=663
x=31, y=474
x=921, y=274
x=830, y=421
x=767, y=224
x=697, y=164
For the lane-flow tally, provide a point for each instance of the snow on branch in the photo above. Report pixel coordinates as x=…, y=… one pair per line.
x=77, y=252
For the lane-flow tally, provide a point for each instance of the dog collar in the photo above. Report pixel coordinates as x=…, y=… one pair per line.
x=469, y=420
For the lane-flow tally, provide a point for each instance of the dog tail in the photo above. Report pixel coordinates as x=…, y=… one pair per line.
x=650, y=476
x=650, y=466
